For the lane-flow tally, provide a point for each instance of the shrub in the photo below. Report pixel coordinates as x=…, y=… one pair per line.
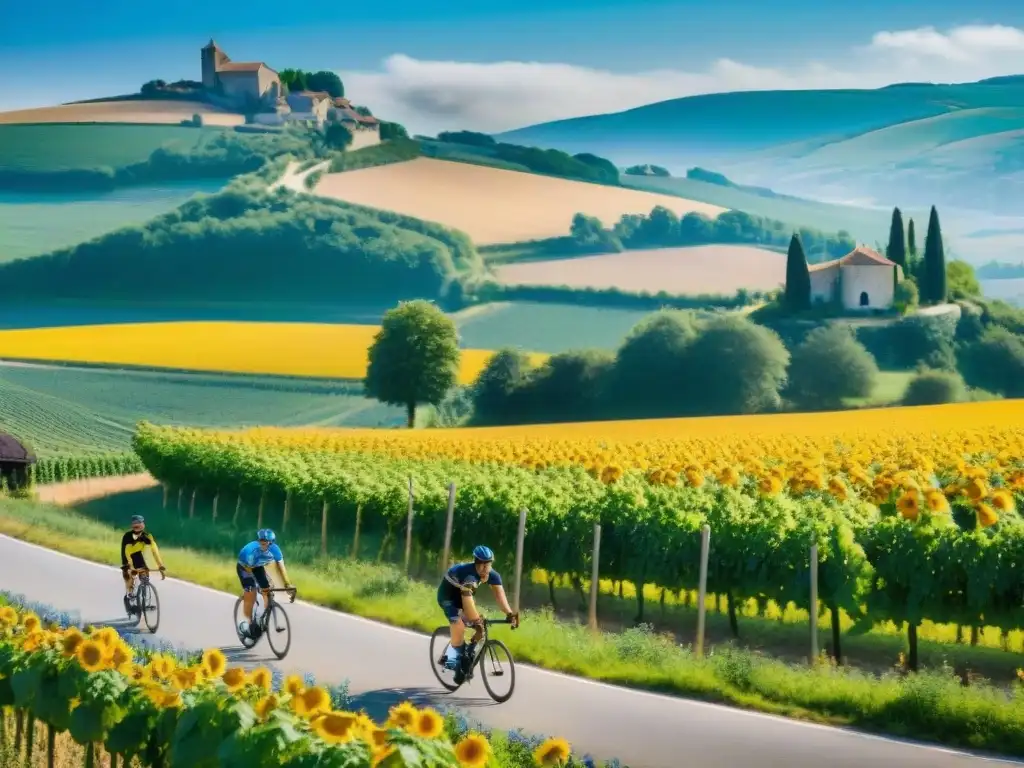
x=829, y=366
x=930, y=387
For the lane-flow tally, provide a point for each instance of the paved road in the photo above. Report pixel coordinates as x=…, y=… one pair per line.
x=384, y=664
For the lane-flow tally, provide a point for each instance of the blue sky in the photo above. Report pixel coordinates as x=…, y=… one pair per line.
x=63, y=50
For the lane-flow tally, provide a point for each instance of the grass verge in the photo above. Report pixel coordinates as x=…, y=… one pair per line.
x=930, y=705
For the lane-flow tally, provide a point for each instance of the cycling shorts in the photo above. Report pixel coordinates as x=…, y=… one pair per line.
x=251, y=579
x=451, y=605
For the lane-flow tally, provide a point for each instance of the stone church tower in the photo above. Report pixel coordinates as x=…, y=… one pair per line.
x=213, y=58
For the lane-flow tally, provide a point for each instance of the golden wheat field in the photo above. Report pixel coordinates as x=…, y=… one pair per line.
x=708, y=269
x=135, y=111
x=284, y=349
x=492, y=205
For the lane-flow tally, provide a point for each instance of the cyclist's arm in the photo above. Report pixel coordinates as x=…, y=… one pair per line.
x=502, y=600
x=156, y=553
x=279, y=562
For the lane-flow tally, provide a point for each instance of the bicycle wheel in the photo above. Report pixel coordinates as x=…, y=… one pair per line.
x=149, y=606
x=439, y=642
x=278, y=630
x=245, y=640
x=496, y=664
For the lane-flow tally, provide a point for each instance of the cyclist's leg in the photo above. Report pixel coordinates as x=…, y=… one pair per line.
x=263, y=581
x=248, y=582
x=129, y=583
x=452, y=612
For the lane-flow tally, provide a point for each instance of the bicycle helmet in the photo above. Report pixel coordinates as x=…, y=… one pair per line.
x=265, y=534
x=138, y=519
x=483, y=554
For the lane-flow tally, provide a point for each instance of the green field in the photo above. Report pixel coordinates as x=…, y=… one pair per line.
x=37, y=223
x=75, y=411
x=63, y=146
x=544, y=327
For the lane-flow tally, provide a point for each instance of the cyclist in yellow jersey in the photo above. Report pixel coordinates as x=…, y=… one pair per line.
x=133, y=544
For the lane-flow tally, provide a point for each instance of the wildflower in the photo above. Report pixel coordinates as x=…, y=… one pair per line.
x=552, y=752
x=401, y=716
x=907, y=504
x=70, y=642
x=293, y=685
x=936, y=502
x=266, y=705
x=334, y=727
x=234, y=678
x=90, y=655
x=976, y=489
x=1002, y=501
x=429, y=724
x=986, y=515
x=261, y=678
x=473, y=751
x=311, y=701
x=214, y=662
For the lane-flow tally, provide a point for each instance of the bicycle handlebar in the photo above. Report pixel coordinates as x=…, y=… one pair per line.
x=292, y=591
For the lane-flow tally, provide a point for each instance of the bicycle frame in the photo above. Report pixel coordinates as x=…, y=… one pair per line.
x=268, y=598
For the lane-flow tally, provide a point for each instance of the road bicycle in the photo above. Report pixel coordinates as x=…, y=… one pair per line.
x=494, y=660
x=143, y=601
x=267, y=607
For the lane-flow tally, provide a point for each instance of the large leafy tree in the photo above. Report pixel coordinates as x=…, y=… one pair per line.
x=414, y=358
x=830, y=366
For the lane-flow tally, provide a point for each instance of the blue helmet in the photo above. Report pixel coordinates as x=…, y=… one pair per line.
x=483, y=554
x=265, y=534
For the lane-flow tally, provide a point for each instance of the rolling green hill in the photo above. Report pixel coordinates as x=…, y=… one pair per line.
x=911, y=145
x=726, y=123
x=75, y=411
x=68, y=146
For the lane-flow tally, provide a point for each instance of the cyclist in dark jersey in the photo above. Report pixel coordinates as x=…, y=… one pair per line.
x=455, y=596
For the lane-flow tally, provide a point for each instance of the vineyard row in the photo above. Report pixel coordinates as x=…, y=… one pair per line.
x=873, y=563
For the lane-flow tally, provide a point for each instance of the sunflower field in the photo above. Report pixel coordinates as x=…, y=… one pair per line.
x=92, y=689
x=914, y=510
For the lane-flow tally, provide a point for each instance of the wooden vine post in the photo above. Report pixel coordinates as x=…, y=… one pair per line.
x=702, y=587
x=192, y=505
x=355, y=538
x=595, y=578
x=323, y=528
x=259, y=514
x=520, y=543
x=812, y=608
x=216, y=498
x=408, y=530
x=287, y=510
x=448, y=528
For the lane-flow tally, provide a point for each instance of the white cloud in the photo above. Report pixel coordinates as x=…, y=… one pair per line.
x=429, y=96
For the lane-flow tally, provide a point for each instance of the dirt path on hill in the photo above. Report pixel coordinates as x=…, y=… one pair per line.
x=77, y=491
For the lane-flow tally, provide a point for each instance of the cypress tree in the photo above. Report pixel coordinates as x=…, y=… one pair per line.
x=798, y=278
x=896, y=250
x=911, y=240
x=934, y=268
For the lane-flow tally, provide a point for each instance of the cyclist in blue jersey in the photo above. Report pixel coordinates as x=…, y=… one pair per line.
x=252, y=562
x=455, y=596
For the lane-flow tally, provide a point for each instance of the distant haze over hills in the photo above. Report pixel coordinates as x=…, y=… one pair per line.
x=915, y=143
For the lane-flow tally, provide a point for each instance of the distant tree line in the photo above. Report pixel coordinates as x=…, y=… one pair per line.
x=553, y=162
x=470, y=293
x=254, y=245
x=662, y=228
x=646, y=170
